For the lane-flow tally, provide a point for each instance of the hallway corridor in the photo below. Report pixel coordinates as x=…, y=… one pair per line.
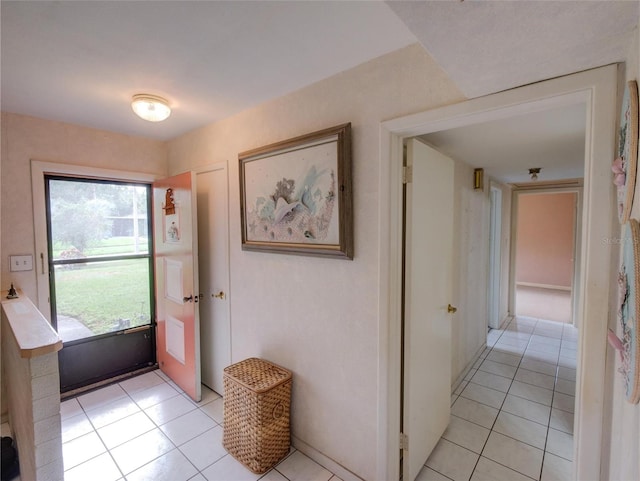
x=512, y=415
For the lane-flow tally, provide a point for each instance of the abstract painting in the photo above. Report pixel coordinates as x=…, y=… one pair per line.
x=296, y=195
x=628, y=344
x=626, y=162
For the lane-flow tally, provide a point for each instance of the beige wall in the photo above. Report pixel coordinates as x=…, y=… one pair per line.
x=25, y=138
x=545, y=239
x=319, y=317
x=624, y=461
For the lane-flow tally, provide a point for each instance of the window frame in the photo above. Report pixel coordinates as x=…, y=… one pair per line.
x=38, y=171
x=98, y=259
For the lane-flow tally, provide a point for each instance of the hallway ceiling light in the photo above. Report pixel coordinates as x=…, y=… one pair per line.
x=534, y=172
x=150, y=107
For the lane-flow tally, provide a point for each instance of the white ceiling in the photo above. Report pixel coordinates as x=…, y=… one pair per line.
x=81, y=61
x=490, y=46
x=552, y=139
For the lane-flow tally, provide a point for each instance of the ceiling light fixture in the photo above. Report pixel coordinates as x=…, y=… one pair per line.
x=150, y=107
x=534, y=172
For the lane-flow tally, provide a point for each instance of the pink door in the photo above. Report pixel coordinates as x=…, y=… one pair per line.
x=176, y=274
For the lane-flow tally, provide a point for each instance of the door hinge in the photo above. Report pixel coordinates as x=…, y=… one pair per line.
x=404, y=441
x=407, y=174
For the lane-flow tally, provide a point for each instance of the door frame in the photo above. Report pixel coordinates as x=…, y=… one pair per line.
x=577, y=243
x=38, y=171
x=495, y=257
x=597, y=89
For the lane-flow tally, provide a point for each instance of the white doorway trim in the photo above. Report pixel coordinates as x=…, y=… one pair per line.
x=495, y=255
x=597, y=90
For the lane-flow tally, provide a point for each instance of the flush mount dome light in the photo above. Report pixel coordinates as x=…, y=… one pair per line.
x=150, y=107
x=534, y=172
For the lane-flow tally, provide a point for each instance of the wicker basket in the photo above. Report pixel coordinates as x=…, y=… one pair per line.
x=257, y=404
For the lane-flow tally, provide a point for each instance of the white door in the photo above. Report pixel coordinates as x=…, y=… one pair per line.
x=213, y=242
x=176, y=273
x=428, y=292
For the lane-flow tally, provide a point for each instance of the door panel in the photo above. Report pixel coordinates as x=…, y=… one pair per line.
x=213, y=266
x=110, y=356
x=177, y=292
x=428, y=291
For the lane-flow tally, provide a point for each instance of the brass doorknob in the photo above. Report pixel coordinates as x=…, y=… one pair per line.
x=219, y=295
x=451, y=309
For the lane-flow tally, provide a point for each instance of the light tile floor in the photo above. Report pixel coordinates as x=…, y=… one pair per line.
x=512, y=420
x=147, y=428
x=512, y=416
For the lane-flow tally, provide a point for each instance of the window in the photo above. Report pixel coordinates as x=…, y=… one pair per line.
x=100, y=256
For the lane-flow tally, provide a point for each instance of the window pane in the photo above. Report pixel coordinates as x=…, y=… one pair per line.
x=100, y=297
x=92, y=219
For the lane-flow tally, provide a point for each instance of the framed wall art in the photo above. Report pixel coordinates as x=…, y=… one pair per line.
x=296, y=198
x=629, y=312
x=626, y=162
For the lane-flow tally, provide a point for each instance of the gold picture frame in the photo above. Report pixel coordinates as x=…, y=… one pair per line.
x=626, y=163
x=296, y=195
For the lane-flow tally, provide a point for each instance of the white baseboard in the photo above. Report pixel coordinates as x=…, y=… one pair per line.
x=476, y=356
x=468, y=367
x=324, y=461
x=544, y=286
x=505, y=321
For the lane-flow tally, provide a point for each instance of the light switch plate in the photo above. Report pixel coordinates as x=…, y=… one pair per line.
x=21, y=263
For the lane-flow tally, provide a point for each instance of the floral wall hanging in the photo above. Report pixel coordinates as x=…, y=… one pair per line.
x=629, y=312
x=625, y=165
x=295, y=195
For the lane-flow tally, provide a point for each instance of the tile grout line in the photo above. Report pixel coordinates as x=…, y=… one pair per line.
x=501, y=405
x=546, y=439
x=488, y=351
x=198, y=407
x=507, y=392
x=141, y=410
x=157, y=426
x=108, y=450
x=510, y=385
x=553, y=393
x=95, y=430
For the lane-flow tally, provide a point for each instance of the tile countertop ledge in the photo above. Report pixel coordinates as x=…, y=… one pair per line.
x=32, y=332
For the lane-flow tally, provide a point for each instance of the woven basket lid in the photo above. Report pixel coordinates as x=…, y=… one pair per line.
x=257, y=375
